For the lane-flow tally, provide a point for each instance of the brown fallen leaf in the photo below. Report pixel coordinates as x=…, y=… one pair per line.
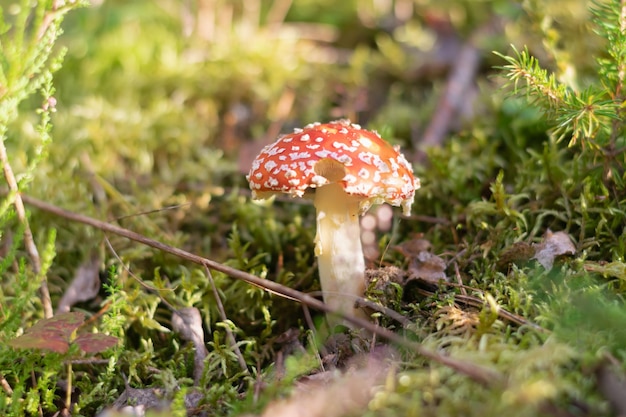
x=423, y=264
x=330, y=395
x=85, y=284
x=50, y=334
x=413, y=247
x=94, y=342
x=553, y=245
x=154, y=402
x=188, y=323
x=428, y=267
x=56, y=334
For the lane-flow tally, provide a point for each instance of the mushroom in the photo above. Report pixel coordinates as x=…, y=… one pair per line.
x=350, y=169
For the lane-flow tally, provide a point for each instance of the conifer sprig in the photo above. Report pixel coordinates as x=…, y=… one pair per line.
x=589, y=117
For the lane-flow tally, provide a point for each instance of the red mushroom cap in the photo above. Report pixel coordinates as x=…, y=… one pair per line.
x=319, y=154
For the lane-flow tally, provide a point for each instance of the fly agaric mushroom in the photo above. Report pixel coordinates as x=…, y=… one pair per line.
x=349, y=169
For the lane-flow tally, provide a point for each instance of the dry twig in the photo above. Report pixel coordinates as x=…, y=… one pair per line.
x=460, y=80
x=479, y=374
x=29, y=241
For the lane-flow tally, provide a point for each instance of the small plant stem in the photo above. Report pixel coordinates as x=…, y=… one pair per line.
x=224, y=318
x=29, y=242
x=68, y=394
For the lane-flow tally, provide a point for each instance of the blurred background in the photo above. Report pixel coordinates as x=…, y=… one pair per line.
x=162, y=105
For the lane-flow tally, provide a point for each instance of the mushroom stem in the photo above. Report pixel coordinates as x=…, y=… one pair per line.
x=338, y=249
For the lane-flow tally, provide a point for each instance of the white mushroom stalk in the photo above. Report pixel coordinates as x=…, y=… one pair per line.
x=349, y=169
x=338, y=249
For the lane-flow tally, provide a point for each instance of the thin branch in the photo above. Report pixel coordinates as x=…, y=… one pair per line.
x=364, y=302
x=29, y=241
x=476, y=302
x=459, y=83
x=460, y=80
x=483, y=375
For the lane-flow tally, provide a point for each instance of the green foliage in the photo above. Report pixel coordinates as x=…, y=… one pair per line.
x=592, y=115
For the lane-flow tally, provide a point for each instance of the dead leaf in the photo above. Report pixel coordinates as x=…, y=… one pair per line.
x=553, y=245
x=188, y=323
x=55, y=334
x=428, y=267
x=84, y=286
x=52, y=341
x=334, y=396
x=50, y=334
x=423, y=264
x=153, y=402
x=413, y=247
x=95, y=342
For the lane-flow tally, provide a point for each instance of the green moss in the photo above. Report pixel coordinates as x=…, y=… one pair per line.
x=153, y=123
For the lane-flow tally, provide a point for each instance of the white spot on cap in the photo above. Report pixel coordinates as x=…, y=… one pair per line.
x=299, y=155
x=318, y=181
x=365, y=142
x=341, y=145
x=324, y=153
x=271, y=182
x=366, y=157
x=345, y=159
x=275, y=150
x=351, y=179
